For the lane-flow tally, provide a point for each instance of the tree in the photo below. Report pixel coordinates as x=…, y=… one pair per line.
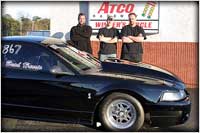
x=26, y=24
x=36, y=18
x=10, y=26
x=44, y=24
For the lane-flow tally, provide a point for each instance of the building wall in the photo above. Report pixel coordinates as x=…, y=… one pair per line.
x=175, y=48
x=64, y=15
x=180, y=58
x=178, y=22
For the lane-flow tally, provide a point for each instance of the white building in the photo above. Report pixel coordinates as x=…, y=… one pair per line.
x=177, y=21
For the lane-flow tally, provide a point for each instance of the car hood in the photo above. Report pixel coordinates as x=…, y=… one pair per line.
x=141, y=70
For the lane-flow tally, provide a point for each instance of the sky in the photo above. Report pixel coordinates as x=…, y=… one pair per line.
x=27, y=9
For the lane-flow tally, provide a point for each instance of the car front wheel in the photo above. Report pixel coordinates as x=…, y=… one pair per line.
x=121, y=112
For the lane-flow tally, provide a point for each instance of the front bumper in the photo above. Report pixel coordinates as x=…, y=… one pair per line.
x=165, y=114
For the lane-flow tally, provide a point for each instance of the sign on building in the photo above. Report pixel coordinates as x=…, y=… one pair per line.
x=147, y=14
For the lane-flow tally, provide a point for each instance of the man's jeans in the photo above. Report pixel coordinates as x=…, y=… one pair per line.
x=104, y=57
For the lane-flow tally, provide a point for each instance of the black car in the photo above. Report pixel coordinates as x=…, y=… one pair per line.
x=48, y=79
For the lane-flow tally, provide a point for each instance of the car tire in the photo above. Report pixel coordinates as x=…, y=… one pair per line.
x=121, y=112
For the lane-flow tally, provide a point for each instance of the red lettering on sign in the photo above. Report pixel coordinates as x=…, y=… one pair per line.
x=118, y=24
x=124, y=23
x=100, y=24
x=104, y=7
x=118, y=8
x=145, y=24
x=112, y=8
x=129, y=8
x=150, y=25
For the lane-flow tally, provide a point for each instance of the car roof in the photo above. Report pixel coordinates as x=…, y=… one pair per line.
x=36, y=39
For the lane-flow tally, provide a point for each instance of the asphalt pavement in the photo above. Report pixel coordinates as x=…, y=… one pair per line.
x=192, y=125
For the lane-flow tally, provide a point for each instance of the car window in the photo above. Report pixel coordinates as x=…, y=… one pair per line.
x=79, y=60
x=30, y=57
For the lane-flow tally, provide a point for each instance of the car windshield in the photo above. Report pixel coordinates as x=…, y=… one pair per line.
x=80, y=60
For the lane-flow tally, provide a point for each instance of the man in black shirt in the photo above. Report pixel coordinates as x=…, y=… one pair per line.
x=132, y=36
x=80, y=34
x=108, y=37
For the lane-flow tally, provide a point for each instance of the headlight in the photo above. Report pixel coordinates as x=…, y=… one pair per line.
x=173, y=95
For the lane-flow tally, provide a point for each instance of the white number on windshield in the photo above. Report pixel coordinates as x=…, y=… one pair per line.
x=12, y=49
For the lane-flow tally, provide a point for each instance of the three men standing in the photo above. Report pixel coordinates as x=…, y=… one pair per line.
x=132, y=35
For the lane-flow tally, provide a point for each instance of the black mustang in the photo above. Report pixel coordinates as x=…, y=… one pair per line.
x=47, y=79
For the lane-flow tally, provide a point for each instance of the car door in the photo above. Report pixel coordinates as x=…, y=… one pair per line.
x=29, y=83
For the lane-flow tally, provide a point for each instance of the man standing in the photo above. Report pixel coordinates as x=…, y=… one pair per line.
x=80, y=34
x=132, y=36
x=108, y=37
